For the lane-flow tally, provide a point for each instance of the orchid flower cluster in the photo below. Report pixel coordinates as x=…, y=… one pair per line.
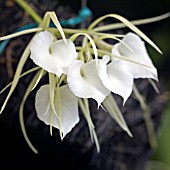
x=93, y=70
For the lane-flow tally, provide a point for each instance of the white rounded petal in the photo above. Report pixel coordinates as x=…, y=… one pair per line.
x=139, y=55
x=115, y=77
x=69, y=107
x=65, y=54
x=40, y=51
x=53, y=57
x=84, y=82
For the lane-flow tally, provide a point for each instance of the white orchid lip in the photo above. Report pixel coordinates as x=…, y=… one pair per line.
x=115, y=77
x=84, y=81
x=52, y=56
x=138, y=54
x=69, y=105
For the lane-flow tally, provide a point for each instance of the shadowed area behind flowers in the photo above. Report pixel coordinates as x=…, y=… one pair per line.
x=76, y=151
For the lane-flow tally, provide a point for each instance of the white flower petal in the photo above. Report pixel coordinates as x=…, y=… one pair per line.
x=115, y=77
x=65, y=54
x=139, y=55
x=69, y=106
x=53, y=57
x=84, y=82
x=40, y=51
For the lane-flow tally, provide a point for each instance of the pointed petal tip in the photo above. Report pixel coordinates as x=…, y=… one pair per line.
x=2, y=109
x=157, y=49
x=160, y=52
x=36, y=152
x=129, y=133
x=98, y=150
x=126, y=129
x=124, y=101
x=62, y=135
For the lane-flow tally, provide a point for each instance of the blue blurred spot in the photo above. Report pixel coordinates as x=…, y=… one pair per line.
x=83, y=14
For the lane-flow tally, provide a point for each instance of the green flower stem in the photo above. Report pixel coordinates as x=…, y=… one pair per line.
x=99, y=43
x=30, y=11
x=147, y=118
x=104, y=45
x=68, y=31
x=101, y=53
x=135, y=22
x=80, y=54
x=90, y=32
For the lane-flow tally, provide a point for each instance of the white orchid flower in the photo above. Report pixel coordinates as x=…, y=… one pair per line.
x=118, y=75
x=52, y=56
x=84, y=81
x=69, y=108
x=115, y=77
x=138, y=53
